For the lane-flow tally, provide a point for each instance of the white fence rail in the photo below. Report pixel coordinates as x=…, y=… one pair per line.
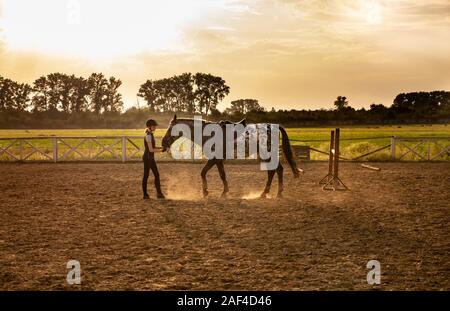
x=426, y=149
x=130, y=148
x=58, y=149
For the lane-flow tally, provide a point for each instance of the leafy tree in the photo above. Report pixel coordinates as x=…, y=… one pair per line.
x=243, y=106
x=6, y=93
x=40, y=101
x=98, y=86
x=341, y=103
x=21, y=96
x=210, y=90
x=183, y=91
x=56, y=90
x=113, y=101
x=14, y=96
x=237, y=107
x=421, y=104
x=60, y=92
x=252, y=105
x=79, y=95
x=169, y=94
x=52, y=93
x=150, y=93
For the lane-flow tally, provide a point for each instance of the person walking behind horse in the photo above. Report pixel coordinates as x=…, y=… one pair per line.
x=149, y=159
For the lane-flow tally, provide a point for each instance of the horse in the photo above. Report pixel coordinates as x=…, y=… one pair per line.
x=169, y=139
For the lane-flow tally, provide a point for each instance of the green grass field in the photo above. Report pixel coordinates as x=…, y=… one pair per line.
x=362, y=139
x=309, y=133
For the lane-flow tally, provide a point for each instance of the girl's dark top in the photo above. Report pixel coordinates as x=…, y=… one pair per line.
x=148, y=153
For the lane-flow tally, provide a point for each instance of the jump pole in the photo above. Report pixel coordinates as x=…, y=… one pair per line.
x=335, y=183
x=370, y=167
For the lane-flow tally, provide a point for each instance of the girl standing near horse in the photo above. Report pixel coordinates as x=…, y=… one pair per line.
x=149, y=159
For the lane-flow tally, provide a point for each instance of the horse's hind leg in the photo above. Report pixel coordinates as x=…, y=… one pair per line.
x=205, y=170
x=270, y=175
x=280, y=180
x=223, y=176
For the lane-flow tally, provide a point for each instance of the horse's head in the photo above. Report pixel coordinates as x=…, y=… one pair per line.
x=168, y=139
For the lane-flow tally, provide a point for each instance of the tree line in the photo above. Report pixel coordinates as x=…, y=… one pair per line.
x=66, y=101
x=191, y=93
x=414, y=107
x=61, y=92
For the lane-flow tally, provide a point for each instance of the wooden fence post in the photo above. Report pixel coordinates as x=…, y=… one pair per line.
x=393, y=138
x=20, y=149
x=55, y=149
x=124, y=149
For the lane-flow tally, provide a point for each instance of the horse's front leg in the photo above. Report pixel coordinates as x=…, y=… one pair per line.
x=205, y=170
x=223, y=176
x=270, y=174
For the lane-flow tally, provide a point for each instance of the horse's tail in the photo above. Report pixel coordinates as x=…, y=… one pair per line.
x=288, y=154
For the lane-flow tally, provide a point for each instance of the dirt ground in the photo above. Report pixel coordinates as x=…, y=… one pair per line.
x=308, y=240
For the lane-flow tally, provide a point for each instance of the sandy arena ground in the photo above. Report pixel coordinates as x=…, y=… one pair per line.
x=309, y=240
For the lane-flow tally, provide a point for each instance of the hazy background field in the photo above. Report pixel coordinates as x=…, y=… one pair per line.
x=294, y=133
x=355, y=140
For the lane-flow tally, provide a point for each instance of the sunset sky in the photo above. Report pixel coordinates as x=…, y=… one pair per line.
x=286, y=53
